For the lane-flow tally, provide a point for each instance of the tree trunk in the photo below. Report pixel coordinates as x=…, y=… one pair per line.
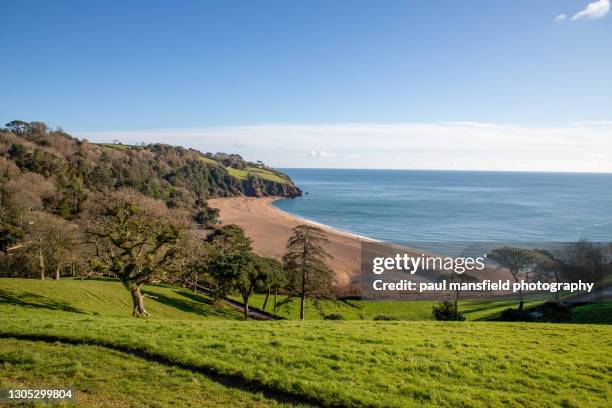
x=302, y=304
x=246, y=308
x=515, y=276
x=57, y=272
x=303, y=294
x=138, y=302
x=456, y=301
x=195, y=285
x=275, y=294
x=41, y=262
x=557, y=293
x=266, y=300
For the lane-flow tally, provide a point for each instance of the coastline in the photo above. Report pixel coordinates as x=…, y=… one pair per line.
x=270, y=227
x=325, y=227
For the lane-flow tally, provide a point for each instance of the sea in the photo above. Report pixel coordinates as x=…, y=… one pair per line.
x=407, y=206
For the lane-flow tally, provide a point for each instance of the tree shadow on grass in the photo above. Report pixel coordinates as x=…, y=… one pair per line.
x=195, y=304
x=34, y=301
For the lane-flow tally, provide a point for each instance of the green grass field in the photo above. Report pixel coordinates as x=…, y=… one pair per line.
x=210, y=161
x=30, y=364
x=254, y=171
x=329, y=363
x=249, y=171
x=356, y=309
x=106, y=298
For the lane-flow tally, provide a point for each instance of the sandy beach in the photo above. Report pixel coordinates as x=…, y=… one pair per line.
x=270, y=228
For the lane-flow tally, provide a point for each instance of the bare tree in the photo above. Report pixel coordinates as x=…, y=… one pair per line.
x=52, y=240
x=194, y=259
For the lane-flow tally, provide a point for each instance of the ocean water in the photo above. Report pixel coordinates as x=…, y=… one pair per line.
x=404, y=206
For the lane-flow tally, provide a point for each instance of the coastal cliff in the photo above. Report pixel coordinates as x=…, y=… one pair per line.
x=256, y=187
x=58, y=172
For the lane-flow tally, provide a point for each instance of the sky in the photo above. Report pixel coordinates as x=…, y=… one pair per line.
x=476, y=85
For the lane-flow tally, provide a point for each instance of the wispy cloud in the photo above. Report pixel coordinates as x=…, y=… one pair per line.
x=560, y=18
x=321, y=153
x=593, y=11
x=578, y=146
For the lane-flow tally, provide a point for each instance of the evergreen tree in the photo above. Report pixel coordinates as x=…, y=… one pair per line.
x=308, y=274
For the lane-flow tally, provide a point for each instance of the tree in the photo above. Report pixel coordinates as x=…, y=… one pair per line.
x=274, y=279
x=227, y=240
x=52, y=240
x=195, y=257
x=237, y=271
x=519, y=261
x=457, y=278
x=308, y=274
x=18, y=127
x=9, y=236
x=549, y=267
x=136, y=239
x=250, y=277
x=230, y=238
x=205, y=215
x=584, y=260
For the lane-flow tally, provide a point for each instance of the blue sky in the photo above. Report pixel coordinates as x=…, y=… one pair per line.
x=194, y=72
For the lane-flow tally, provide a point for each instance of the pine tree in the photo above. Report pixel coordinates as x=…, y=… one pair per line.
x=309, y=275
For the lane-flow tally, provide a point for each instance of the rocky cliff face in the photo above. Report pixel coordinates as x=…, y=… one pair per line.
x=256, y=187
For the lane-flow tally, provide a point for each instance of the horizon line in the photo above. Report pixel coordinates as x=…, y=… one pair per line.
x=443, y=170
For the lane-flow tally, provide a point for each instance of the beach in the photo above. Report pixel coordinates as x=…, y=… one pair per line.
x=270, y=228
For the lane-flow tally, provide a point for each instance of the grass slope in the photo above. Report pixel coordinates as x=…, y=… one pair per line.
x=378, y=364
x=106, y=298
x=593, y=313
x=355, y=309
x=249, y=171
x=254, y=171
x=125, y=381
x=356, y=363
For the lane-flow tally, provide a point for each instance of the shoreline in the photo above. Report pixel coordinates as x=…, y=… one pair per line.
x=270, y=227
x=324, y=227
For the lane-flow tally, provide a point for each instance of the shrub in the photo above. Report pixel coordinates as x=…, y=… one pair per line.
x=385, y=317
x=334, y=316
x=16, y=357
x=447, y=311
x=515, y=315
x=554, y=312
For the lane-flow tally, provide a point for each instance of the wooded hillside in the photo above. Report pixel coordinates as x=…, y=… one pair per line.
x=47, y=178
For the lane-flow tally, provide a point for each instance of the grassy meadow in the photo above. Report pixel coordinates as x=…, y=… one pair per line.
x=32, y=364
x=243, y=174
x=106, y=298
x=198, y=349
x=357, y=309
